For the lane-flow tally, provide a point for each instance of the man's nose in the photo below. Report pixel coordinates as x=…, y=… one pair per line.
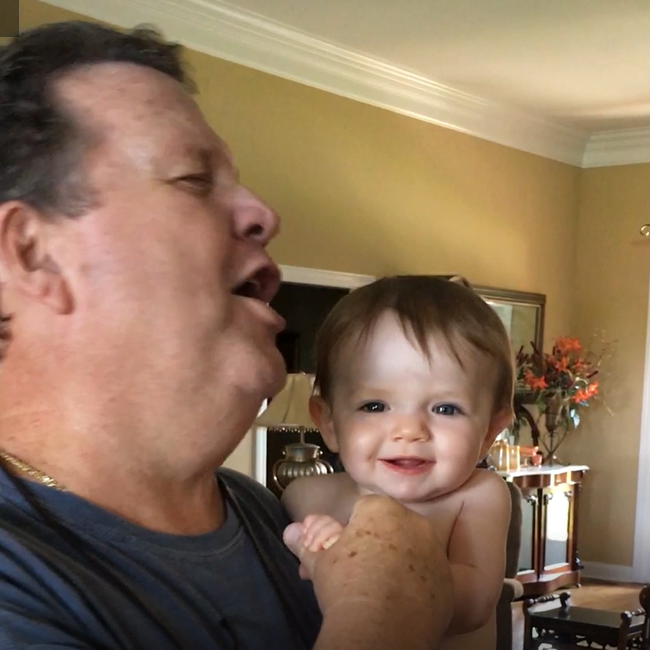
x=411, y=429
x=254, y=220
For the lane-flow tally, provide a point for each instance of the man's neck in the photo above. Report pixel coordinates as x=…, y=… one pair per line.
x=114, y=474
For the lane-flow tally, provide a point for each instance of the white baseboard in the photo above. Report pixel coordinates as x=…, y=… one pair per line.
x=609, y=572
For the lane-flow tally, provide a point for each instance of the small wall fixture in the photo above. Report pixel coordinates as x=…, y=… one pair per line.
x=645, y=230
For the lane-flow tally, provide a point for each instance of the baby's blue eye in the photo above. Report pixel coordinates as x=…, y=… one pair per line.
x=373, y=407
x=446, y=409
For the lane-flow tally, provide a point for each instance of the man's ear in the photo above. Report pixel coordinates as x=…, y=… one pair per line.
x=500, y=421
x=26, y=262
x=321, y=414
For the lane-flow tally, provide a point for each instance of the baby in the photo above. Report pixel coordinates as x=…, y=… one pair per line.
x=414, y=381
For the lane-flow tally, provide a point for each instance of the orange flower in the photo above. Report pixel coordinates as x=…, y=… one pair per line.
x=579, y=396
x=585, y=394
x=566, y=344
x=534, y=382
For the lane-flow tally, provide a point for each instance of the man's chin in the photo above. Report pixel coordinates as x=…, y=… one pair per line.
x=277, y=373
x=270, y=374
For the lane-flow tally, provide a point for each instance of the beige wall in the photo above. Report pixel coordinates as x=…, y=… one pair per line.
x=612, y=293
x=365, y=190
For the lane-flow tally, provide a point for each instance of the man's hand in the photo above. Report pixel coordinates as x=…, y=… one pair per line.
x=384, y=585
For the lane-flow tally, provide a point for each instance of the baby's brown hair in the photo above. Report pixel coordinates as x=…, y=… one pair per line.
x=425, y=306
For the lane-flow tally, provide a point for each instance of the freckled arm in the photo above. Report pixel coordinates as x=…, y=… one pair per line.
x=385, y=585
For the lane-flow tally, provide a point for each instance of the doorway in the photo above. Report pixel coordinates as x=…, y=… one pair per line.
x=304, y=307
x=304, y=299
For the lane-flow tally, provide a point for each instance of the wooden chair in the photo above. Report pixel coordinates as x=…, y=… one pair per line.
x=512, y=589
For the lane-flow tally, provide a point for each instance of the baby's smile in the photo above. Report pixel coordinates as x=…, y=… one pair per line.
x=407, y=464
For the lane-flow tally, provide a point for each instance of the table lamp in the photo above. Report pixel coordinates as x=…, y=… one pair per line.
x=289, y=411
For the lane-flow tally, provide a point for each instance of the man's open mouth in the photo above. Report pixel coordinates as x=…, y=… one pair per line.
x=262, y=284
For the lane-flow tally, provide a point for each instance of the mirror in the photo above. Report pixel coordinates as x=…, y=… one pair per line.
x=522, y=314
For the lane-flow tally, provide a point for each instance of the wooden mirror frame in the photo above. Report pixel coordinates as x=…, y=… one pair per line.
x=512, y=297
x=522, y=397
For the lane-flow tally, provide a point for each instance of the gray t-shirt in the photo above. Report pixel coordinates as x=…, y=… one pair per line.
x=118, y=586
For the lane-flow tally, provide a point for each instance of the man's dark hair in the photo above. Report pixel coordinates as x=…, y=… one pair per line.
x=41, y=144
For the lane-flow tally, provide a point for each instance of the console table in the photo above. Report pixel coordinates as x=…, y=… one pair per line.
x=548, y=559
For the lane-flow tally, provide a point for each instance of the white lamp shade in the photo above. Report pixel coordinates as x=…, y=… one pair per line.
x=290, y=407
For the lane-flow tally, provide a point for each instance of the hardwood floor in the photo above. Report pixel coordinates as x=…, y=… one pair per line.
x=595, y=595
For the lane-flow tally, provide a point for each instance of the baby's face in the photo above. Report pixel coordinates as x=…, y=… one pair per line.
x=406, y=426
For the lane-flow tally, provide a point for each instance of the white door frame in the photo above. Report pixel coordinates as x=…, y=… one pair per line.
x=641, y=565
x=313, y=277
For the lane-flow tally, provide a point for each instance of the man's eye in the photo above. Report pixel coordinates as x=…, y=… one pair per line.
x=373, y=407
x=446, y=409
x=199, y=183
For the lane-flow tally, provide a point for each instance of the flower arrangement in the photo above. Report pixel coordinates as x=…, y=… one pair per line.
x=567, y=376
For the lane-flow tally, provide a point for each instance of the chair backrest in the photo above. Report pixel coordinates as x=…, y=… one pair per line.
x=513, y=542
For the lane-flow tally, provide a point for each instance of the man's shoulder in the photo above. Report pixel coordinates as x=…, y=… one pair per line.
x=253, y=496
x=246, y=486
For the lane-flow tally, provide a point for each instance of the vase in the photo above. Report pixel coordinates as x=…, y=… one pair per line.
x=556, y=421
x=300, y=459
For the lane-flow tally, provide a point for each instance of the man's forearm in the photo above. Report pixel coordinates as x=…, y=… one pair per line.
x=398, y=625
x=385, y=584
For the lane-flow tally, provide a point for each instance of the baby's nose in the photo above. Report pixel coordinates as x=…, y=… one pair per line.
x=411, y=430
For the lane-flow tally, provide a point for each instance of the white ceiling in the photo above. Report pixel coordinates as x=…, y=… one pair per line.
x=583, y=62
x=565, y=79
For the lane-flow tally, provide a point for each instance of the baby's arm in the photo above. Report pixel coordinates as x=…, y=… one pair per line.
x=477, y=551
x=320, y=532
x=322, y=504
x=312, y=495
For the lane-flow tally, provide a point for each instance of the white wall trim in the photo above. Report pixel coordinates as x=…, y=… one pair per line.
x=228, y=32
x=234, y=34
x=259, y=454
x=641, y=562
x=314, y=277
x=323, y=278
x=622, y=147
x=609, y=572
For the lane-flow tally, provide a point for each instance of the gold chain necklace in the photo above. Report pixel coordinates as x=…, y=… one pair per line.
x=31, y=471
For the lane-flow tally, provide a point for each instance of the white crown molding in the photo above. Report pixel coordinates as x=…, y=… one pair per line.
x=324, y=278
x=608, y=572
x=620, y=147
x=227, y=32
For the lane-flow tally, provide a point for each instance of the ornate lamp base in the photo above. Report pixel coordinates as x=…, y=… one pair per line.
x=300, y=459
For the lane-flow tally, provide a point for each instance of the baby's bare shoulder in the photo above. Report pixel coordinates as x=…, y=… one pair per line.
x=485, y=485
x=318, y=495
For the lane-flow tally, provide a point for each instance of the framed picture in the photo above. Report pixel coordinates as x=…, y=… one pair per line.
x=522, y=314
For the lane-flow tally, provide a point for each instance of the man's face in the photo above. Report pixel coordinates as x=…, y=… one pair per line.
x=407, y=426
x=161, y=267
